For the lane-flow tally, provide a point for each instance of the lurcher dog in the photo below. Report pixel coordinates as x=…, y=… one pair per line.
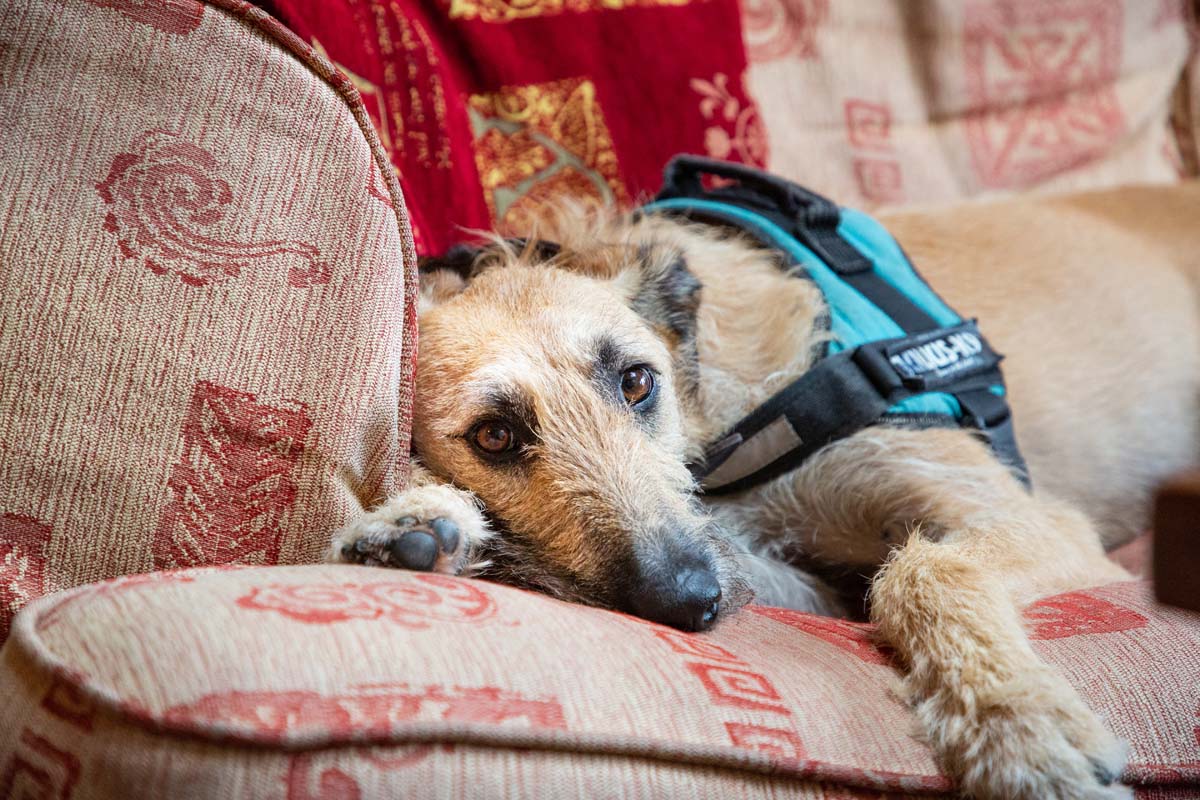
x=560, y=396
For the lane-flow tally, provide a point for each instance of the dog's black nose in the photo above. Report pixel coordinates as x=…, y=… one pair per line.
x=689, y=599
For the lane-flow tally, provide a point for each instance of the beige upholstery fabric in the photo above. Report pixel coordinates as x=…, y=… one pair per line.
x=357, y=682
x=894, y=102
x=206, y=295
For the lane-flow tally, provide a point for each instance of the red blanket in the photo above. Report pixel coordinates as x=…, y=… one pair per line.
x=487, y=107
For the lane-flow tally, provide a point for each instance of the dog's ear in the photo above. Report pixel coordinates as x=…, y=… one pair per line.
x=665, y=293
x=446, y=275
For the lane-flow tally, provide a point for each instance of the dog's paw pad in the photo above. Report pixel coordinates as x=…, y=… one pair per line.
x=407, y=543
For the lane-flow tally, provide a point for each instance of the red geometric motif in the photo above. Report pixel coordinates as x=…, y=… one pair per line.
x=173, y=16
x=23, y=542
x=773, y=29
x=1048, y=69
x=1075, y=614
x=691, y=645
x=738, y=687
x=776, y=742
x=334, y=784
x=164, y=196
x=38, y=770
x=869, y=125
x=233, y=484
x=370, y=712
x=879, y=180
x=66, y=702
x=853, y=637
x=412, y=602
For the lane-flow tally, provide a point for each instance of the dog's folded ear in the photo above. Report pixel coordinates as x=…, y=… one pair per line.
x=665, y=293
x=459, y=259
x=446, y=275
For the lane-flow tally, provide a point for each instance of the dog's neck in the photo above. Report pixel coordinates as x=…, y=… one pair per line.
x=757, y=327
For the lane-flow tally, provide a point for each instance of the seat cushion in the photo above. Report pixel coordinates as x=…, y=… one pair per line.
x=206, y=295
x=342, y=681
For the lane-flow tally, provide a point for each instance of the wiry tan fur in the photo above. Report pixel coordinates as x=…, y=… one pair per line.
x=1095, y=299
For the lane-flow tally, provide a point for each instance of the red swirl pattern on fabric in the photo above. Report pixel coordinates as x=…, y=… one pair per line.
x=783, y=28
x=165, y=195
x=413, y=602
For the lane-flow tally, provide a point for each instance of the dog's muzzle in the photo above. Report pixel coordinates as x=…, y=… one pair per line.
x=677, y=588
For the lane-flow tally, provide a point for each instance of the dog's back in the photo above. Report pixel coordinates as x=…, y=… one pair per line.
x=1095, y=300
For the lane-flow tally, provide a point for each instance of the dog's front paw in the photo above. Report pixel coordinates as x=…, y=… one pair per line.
x=428, y=529
x=1032, y=740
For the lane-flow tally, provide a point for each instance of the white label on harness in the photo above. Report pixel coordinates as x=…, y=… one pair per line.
x=950, y=353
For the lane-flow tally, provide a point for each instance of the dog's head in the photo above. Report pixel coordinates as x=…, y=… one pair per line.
x=555, y=383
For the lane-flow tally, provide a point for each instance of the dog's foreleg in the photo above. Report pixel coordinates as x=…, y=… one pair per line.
x=1002, y=722
x=431, y=527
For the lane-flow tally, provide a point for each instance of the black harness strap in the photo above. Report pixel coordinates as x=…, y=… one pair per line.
x=851, y=390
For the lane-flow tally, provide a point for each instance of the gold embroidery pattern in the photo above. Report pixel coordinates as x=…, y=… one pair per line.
x=533, y=142
x=508, y=10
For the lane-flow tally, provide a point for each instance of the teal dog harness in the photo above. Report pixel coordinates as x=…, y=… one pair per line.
x=897, y=354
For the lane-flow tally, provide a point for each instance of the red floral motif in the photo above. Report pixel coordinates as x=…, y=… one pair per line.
x=1046, y=72
x=173, y=16
x=740, y=688
x=879, y=180
x=853, y=637
x=1077, y=613
x=777, y=28
x=23, y=543
x=691, y=645
x=65, y=701
x=868, y=125
x=369, y=712
x=233, y=485
x=736, y=132
x=412, y=601
x=37, y=769
x=776, y=742
x=164, y=195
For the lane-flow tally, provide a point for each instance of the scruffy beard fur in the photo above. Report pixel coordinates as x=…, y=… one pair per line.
x=595, y=503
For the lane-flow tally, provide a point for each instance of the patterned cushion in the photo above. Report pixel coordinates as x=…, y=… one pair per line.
x=340, y=681
x=875, y=103
x=206, y=295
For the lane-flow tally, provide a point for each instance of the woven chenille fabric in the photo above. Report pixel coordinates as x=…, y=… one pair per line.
x=207, y=320
x=354, y=682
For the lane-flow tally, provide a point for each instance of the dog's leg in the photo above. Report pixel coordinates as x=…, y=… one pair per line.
x=430, y=527
x=1004, y=723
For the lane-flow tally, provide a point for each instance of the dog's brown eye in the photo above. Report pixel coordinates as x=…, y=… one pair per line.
x=494, y=437
x=636, y=385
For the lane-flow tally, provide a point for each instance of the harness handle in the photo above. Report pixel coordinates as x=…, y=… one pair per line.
x=682, y=178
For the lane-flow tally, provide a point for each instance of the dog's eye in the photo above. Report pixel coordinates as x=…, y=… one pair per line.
x=636, y=385
x=494, y=438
